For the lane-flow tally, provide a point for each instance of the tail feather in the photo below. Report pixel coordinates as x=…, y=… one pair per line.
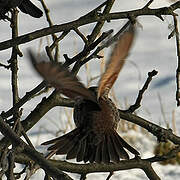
x=127, y=146
x=80, y=144
x=92, y=155
x=105, y=154
x=82, y=150
x=86, y=157
x=65, y=143
x=68, y=144
x=60, y=144
x=98, y=154
x=111, y=150
x=72, y=153
x=66, y=148
x=63, y=147
x=62, y=138
x=90, y=151
x=119, y=148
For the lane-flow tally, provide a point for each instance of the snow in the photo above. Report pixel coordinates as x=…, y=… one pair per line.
x=152, y=50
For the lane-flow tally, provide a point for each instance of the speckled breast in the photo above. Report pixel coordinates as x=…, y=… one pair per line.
x=106, y=119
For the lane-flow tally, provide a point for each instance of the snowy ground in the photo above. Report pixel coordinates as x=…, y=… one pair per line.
x=152, y=50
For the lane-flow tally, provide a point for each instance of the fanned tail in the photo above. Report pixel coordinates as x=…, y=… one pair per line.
x=73, y=144
x=63, y=144
x=111, y=149
x=29, y=8
x=80, y=144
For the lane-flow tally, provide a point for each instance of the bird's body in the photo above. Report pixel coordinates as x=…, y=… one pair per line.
x=100, y=121
x=100, y=126
x=95, y=138
x=95, y=115
x=25, y=6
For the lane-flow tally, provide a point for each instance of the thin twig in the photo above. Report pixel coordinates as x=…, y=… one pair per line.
x=81, y=35
x=90, y=45
x=110, y=175
x=54, y=37
x=58, y=39
x=15, y=94
x=178, y=61
x=5, y=66
x=162, y=110
x=80, y=22
x=47, y=16
x=31, y=153
x=162, y=134
x=106, y=44
x=55, y=99
x=100, y=24
x=13, y=60
x=23, y=100
x=137, y=104
x=85, y=52
x=148, y=4
x=19, y=174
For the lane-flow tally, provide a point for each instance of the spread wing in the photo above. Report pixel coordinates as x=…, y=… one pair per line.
x=61, y=78
x=116, y=61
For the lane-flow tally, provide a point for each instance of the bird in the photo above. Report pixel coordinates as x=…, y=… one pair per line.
x=26, y=6
x=95, y=138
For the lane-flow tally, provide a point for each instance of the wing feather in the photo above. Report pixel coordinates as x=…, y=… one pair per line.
x=116, y=61
x=61, y=78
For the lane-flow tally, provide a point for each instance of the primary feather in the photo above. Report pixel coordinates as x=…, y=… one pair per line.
x=116, y=61
x=61, y=78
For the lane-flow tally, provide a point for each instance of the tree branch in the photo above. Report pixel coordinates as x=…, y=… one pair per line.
x=144, y=164
x=40, y=110
x=87, y=19
x=178, y=60
x=31, y=153
x=162, y=134
x=137, y=104
x=23, y=100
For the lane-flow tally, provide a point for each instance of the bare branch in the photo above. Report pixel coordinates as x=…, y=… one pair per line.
x=104, y=45
x=109, y=176
x=148, y=4
x=178, y=60
x=162, y=134
x=23, y=100
x=33, y=154
x=137, y=104
x=87, y=19
x=81, y=35
x=40, y=110
x=5, y=66
x=85, y=52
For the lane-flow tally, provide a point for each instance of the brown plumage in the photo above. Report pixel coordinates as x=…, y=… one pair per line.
x=116, y=62
x=95, y=115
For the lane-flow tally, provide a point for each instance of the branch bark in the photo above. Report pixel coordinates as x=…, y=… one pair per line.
x=31, y=153
x=87, y=19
